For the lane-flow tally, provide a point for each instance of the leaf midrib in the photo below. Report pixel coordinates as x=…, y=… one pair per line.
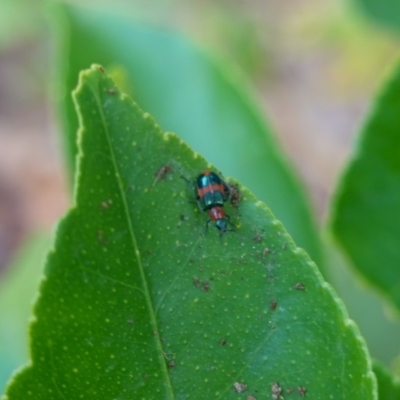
x=146, y=292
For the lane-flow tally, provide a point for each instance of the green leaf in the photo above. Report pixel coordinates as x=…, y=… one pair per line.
x=385, y=12
x=20, y=20
x=379, y=326
x=388, y=386
x=189, y=93
x=138, y=302
x=17, y=292
x=366, y=212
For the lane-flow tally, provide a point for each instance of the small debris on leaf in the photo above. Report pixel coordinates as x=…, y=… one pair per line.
x=266, y=251
x=301, y=390
x=276, y=391
x=236, y=196
x=105, y=204
x=162, y=172
x=299, y=286
x=240, y=387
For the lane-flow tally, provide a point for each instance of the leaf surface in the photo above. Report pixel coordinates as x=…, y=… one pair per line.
x=138, y=302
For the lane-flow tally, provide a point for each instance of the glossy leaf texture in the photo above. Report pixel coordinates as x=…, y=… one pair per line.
x=366, y=211
x=205, y=102
x=139, y=302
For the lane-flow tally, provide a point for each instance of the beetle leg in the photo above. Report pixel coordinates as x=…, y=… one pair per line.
x=227, y=191
x=228, y=219
x=191, y=186
x=207, y=222
x=193, y=190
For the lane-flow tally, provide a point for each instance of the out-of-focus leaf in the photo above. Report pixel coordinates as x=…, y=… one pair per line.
x=388, y=386
x=19, y=20
x=138, y=302
x=366, y=211
x=379, y=326
x=385, y=12
x=17, y=292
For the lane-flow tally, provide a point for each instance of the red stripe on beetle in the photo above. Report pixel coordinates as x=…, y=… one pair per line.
x=216, y=213
x=209, y=189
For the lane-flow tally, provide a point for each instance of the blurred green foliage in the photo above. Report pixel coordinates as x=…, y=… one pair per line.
x=384, y=12
x=18, y=289
x=20, y=20
x=388, y=387
x=165, y=73
x=366, y=213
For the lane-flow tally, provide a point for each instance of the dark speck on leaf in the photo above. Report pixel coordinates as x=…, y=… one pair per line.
x=162, y=172
x=299, y=286
x=266, y=251
x=301, y=390
x=105, y=204
x=236, y=196
x=258, y=237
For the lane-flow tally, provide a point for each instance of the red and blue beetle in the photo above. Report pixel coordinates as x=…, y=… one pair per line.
x=211, y=194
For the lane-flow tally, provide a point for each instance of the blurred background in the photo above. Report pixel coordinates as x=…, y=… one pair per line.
x=314, y=65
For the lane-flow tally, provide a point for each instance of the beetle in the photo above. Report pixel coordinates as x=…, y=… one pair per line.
x=211, y=194
x=211, y=190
